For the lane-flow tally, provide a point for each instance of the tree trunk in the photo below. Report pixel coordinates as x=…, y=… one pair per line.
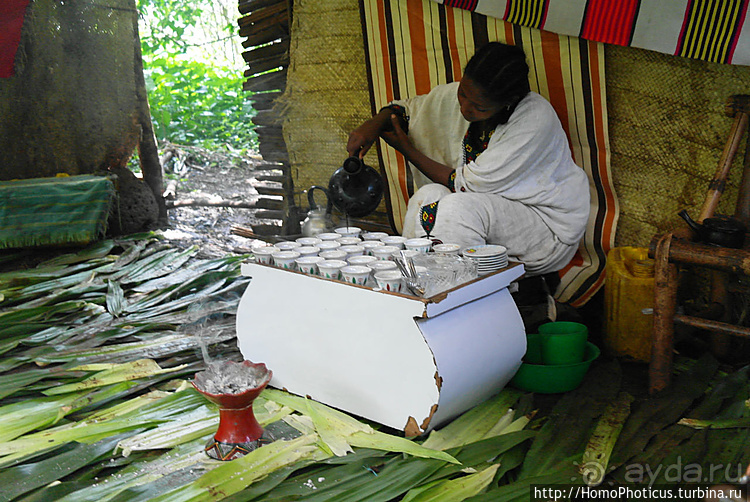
x=147, y=149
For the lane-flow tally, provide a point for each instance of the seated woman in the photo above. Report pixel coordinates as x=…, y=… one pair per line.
x=496, y=163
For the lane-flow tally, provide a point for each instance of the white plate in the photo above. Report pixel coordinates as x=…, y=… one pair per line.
x=486, y=250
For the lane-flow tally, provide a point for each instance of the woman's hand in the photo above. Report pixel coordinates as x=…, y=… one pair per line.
x=395, y=136
x=363, y=137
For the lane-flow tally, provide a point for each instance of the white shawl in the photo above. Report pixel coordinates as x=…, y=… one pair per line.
x=528, y=159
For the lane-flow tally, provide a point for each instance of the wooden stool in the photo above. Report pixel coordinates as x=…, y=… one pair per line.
x=669, y=251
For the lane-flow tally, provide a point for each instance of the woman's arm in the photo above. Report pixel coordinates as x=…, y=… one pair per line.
x=363, y=137
x=397, y=138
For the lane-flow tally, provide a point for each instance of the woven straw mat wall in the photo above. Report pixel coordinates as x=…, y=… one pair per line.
x=666, y=118
x=327, y=92
x=667, y=131
x=71, y=106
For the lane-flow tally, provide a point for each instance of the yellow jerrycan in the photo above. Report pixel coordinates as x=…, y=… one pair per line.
x=629, y=303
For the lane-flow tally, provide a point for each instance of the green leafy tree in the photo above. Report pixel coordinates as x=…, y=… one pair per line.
x=193, y=102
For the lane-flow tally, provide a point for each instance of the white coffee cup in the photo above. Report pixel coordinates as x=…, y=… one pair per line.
x=384, y=252
x=446, y=249
x=328, y=236
x=355, y=274
x=389, y=280
x=361, y=260
x=308, y=241
x=309, y=264
x=394, y=240
x=353, y=250
x=333, y=254
x=348, y=231
x=373, y=236
x=264, y=254
x=331, y=269
x=419, y=244
x=328, y=245
x=287, y=245
x=380, y=265
x=308, y=250
x=349, y=241
x=368, y=245
x=286, y=259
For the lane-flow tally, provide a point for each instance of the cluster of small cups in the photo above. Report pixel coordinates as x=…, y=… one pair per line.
x=350, y=255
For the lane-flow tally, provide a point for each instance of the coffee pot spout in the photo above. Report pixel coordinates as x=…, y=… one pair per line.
x=691, y=222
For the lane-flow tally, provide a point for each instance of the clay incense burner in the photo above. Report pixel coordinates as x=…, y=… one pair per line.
x=233, y=387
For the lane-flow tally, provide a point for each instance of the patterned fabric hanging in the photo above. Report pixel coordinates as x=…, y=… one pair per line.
x=710, y=30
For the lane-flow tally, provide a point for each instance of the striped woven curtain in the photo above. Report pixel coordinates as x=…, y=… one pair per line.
x=414, y=45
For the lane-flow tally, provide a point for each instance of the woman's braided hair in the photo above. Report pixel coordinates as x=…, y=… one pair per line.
x=502, y=72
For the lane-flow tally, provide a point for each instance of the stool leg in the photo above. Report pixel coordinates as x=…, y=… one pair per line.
x=720, y=342
x=665, y=303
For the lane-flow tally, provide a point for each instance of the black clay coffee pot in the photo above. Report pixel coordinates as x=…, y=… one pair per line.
x=720, y=230
x=356, y=188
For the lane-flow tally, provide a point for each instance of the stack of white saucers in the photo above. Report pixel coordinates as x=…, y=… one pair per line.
x=488, y=257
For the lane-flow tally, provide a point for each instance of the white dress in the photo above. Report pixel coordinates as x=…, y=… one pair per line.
x=524, y=191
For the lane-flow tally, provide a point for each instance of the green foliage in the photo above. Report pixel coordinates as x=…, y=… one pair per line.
x=192, y=102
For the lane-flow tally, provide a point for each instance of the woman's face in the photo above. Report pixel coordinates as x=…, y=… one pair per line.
x=475, y=106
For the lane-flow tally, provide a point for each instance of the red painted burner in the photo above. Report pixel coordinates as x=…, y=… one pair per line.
x=239, y=431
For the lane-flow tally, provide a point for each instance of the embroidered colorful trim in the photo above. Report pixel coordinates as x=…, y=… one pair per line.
x=427, y=217
x=475, y=142
x=452, y=181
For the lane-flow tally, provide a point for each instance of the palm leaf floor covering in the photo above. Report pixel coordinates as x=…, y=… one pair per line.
x=99, y=346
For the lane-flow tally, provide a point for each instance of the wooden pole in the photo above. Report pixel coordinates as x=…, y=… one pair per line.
x=716, y=188
x=738, y=106
x=665, y=305
x=742, y=209
x=148, y=152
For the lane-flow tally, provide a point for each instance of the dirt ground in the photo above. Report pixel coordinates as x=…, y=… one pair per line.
x=197, y=174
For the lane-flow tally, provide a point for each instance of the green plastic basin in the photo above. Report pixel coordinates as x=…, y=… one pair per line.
x=554, y=379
